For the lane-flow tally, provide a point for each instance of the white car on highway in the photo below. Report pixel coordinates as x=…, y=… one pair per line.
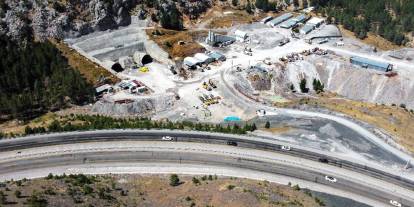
x=395, y=203
x=167, y=138
x=286, y=148
x=330, y=179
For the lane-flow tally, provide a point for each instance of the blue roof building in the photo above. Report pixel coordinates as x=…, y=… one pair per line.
x=217, y=56
x=292, y=22
x=371, y=64
x=280, y=19
x=266, y=20
x=288, y=24
x=306, y=29
x=301, y=18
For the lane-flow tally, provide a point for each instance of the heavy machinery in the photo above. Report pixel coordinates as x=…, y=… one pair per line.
x=143, y=69
x=206, y=86
x=211, y=83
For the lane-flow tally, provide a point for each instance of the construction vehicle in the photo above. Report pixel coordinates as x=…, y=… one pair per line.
x=283, y=59
x=143, y=69
x=267, y=61
x=248, y=53
x=212, y=84
x=202, y=99
x=172, y=69
x=306, y=52
x=206, y=86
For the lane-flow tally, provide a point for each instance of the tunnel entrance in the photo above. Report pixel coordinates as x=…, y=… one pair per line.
x=146, y=59
x=117, y=67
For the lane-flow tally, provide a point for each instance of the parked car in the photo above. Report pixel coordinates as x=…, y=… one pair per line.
x=167, y=138
x=323, y=160
x=395, y=203
x=330, y=179
x=286, y=148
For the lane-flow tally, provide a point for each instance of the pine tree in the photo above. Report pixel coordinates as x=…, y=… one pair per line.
x=3, y=198
x=292, y=87
x=303, y=87
x=318, y=87
x=249, y=7
x=267, y=125
x=174, y=180
x=253, y=128
x=296, y=3
x=235, y=2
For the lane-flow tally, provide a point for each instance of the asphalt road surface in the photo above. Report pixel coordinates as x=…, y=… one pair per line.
x=49, y=151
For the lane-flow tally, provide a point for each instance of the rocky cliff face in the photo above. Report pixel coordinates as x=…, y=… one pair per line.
x=72, y=18
x=63, y=18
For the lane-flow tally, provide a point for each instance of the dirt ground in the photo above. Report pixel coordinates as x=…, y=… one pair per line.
x=90, y=70
x=178, y=44
x=233, y=17
x=395, y=120
x=154, y=190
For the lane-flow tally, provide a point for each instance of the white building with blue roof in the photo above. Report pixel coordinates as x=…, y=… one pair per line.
x=293, y=22
x=371, y=64
x=276, y=21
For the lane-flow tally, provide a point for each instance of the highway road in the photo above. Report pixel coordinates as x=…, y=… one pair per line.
x=134, y=146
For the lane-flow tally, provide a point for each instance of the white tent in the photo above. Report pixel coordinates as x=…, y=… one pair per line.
x=240, y=35
x=204, y=58
x=191, y=62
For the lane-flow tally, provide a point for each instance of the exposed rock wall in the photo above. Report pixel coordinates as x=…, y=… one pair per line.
x=367, y=85
x=350, y=81
x=140, y=106
x=74, y=18
x=260, y=81
x=157, y=52
x=60, y=19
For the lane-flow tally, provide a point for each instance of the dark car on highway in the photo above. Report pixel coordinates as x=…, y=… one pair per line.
x=323, y=160
x=231, y=143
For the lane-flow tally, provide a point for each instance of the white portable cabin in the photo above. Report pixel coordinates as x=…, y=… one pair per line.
x=316, y=21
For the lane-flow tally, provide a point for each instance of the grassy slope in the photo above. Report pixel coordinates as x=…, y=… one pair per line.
x=90, y=70
x=136, y=190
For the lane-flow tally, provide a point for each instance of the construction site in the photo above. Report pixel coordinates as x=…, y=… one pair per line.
x=263, y=61
x=230, y=74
